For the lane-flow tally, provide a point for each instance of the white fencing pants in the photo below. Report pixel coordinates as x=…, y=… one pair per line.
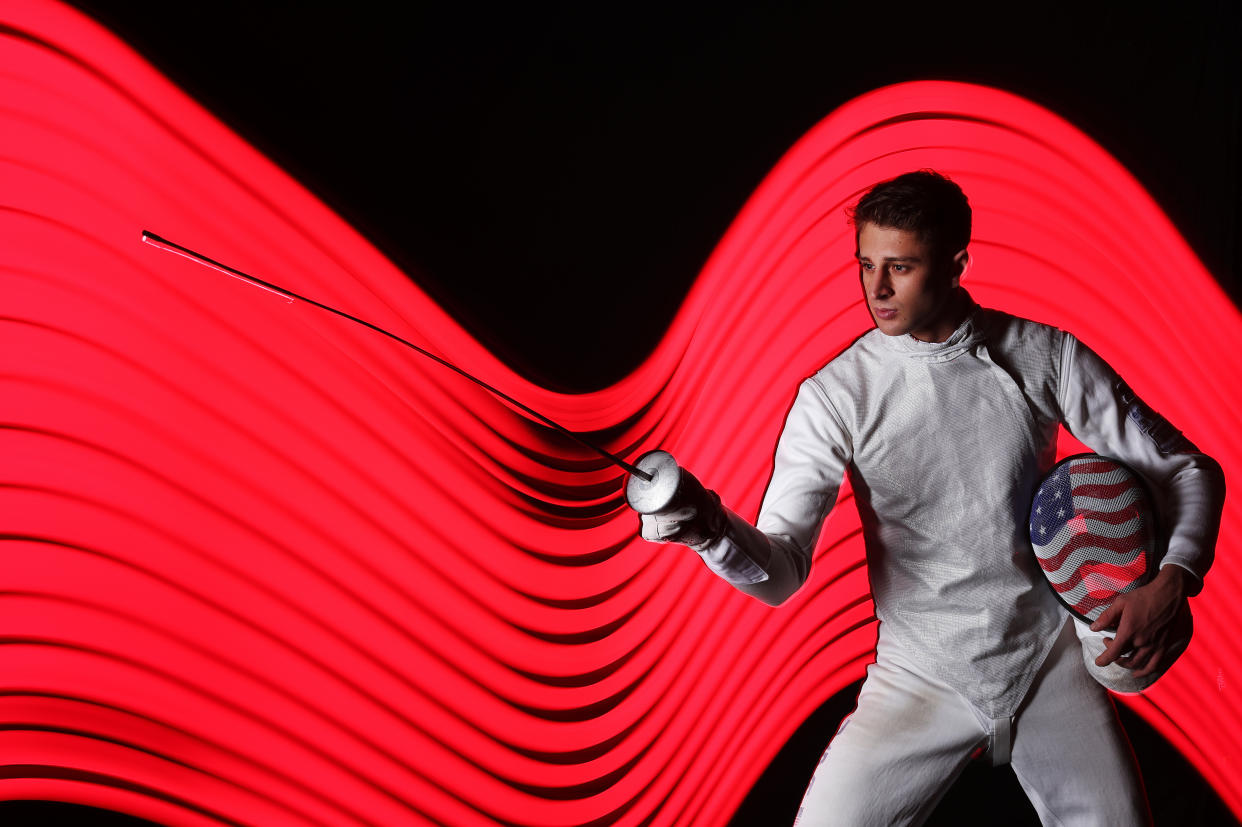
x=910, y=736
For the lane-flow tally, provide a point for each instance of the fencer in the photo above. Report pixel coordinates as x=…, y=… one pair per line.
x=945, y=416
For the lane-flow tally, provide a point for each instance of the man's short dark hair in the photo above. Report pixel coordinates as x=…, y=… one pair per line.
x=924, y=202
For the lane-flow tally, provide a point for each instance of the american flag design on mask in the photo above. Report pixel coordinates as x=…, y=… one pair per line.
x=1093, y=531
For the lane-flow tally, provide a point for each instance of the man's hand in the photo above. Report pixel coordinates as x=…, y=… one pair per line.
x=666, y=526
x=1152, y=623
x=688, y=525
x=674, y=505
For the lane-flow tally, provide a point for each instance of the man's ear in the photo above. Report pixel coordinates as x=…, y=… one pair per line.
x=961, y=263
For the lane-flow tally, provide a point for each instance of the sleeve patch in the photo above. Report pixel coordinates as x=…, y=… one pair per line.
x=1160, y=431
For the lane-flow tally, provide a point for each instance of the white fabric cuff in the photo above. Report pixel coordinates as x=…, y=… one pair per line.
x=728, y=558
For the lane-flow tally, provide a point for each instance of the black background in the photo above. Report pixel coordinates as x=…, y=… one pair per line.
x=556, y=175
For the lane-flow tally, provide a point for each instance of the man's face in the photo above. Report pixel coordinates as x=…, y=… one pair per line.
x=906, y=289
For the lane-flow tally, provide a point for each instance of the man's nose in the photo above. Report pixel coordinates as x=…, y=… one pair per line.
x=879, y=287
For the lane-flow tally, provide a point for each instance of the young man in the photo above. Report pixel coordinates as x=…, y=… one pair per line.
x=945, y=416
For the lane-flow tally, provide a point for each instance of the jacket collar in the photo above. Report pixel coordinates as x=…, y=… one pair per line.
x=967, y=335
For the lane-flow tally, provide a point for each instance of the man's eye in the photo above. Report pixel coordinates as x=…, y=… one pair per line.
x=899, y=268
x=868, y=266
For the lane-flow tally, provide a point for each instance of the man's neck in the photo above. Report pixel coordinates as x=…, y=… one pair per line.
x=957, y=307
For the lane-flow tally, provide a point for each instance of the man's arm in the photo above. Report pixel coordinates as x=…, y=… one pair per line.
x=771, y=560
x=1100, y=410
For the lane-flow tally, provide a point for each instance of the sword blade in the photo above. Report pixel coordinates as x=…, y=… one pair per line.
x=289, y=296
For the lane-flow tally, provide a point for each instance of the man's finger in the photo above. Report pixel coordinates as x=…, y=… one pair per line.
x=1155, y=662
x=1115, y=647
x=1108, y=642
x=1137, y=659
x=1108, y=617
x=654, y=530
x=1112, y=652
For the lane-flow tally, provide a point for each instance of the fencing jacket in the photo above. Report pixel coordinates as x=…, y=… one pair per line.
x=945, y=444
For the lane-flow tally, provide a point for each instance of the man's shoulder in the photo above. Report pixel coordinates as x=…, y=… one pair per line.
x=1007, y=330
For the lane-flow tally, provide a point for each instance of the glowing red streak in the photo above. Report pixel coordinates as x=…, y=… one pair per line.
x=264, y=567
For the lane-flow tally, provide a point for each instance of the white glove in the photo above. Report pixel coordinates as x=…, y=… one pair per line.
x=689, y=525
x=666, y=525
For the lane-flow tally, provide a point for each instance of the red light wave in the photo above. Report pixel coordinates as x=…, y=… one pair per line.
x=263, y=567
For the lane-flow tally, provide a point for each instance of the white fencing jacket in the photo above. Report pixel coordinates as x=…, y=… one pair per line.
x=945, y=444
